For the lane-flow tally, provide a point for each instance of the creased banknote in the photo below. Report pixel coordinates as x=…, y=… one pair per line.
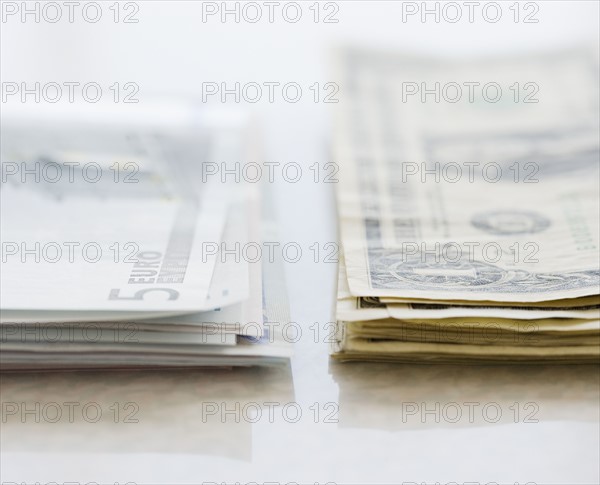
x=469, y=222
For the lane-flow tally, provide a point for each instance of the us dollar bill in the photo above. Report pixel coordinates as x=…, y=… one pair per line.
x=413, y=229
x=487, y=331
x=397, y=351
x=353, y=309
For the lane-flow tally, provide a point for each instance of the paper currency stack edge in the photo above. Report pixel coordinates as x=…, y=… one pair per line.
x=469, y=228
x=119, y=262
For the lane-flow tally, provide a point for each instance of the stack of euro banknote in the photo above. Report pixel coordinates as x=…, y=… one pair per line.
x=468, y=208
x=118, y=252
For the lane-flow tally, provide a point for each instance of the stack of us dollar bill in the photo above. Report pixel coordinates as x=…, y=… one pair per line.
x=468, y=208
x=118, y=250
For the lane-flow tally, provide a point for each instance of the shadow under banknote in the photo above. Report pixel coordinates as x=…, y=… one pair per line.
x=203, y=412
x=392, y=397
